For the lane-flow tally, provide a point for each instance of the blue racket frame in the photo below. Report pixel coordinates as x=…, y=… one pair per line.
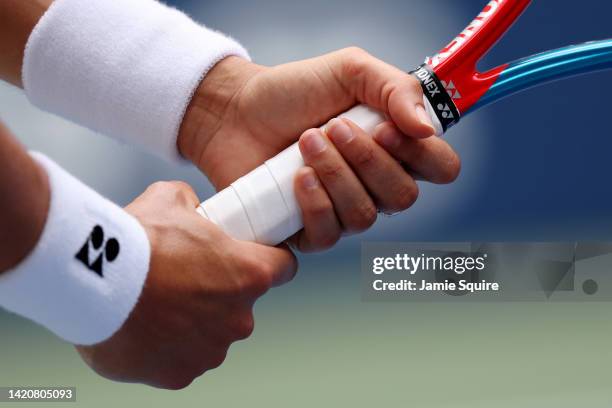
x=546, y=67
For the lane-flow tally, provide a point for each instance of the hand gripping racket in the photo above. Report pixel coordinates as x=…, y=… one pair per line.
x=261, y=206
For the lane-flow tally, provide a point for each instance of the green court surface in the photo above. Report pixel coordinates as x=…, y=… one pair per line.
x=317, y=343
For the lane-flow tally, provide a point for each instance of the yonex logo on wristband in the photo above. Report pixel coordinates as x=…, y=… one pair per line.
x=108, y=250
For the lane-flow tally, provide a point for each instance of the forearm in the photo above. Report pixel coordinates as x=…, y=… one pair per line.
x=24, y=201
x=17, y=19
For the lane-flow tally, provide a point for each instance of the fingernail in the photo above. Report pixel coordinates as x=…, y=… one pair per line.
x=309, y=181
x=339, y=132
x=313, y=142
x=423, y=116
x=387, y=136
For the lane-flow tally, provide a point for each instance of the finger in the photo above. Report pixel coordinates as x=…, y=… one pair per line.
x=172, y=192
x=321, y=226
x=384, y=87
x=277, y=264
x=393, y=189
x=354, y=207
x=186, y=193
x=432, y=158
x=415, y=176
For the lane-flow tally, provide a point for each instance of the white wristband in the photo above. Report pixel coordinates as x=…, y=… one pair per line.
x=87, y=271
x=127, y=69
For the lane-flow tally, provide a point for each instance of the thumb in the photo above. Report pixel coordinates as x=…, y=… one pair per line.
x=278, y=263
x=383, y=87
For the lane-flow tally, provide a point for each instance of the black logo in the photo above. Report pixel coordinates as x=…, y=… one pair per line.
x=108, y=250
x=440, y=95
x=445, y=111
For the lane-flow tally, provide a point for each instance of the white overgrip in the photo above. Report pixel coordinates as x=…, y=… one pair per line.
x=261, y=206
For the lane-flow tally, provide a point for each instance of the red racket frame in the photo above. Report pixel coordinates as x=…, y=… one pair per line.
x=455, y=64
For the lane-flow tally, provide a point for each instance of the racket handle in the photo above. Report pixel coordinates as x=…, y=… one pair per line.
x=261, y=206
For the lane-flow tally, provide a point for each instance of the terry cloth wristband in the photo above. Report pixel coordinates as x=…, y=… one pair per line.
x=87, y=271
x=127, y=68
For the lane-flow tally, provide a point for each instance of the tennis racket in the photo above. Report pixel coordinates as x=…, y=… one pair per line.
x=261, y=206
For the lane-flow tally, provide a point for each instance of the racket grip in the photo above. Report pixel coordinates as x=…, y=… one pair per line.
x=261, y=206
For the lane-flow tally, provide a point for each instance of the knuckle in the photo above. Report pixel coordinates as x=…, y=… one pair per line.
x=328, y=240
x=172, y=189
x=364, y=215
x=264, y=274
x=353, y=61
x=175, y=382
x=291, y=268
x=251, y=281
x=354, y=52
x=259, y=279
x=321, y=209
x=364, y=158
x=405, y=196
x=244, y=326
x=414, y=85
x=182, y=189
x=174, y=186
x=216, y=359
x=159, y=186
x=331, y=171
x=179, y=185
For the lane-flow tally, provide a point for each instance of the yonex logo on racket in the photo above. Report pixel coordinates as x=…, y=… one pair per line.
x=439, y=95
x=451, y=89
x=445, y=111
x=427, y=81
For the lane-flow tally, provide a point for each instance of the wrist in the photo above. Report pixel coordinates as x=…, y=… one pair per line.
x=24, y=207
x=211, y=104
x=89, y=263
x=140, y=97
x=33, y=228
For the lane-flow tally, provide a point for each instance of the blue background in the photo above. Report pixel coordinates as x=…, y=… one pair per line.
x=548, y=169
x=545, y=163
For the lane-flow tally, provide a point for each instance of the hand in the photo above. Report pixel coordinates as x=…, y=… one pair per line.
x=197, y=299
x=243, y=114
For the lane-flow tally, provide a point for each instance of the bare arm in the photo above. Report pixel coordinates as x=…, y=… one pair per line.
x=255, y=112
x=24, y=188
x=24, y=201
x=17, y=19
